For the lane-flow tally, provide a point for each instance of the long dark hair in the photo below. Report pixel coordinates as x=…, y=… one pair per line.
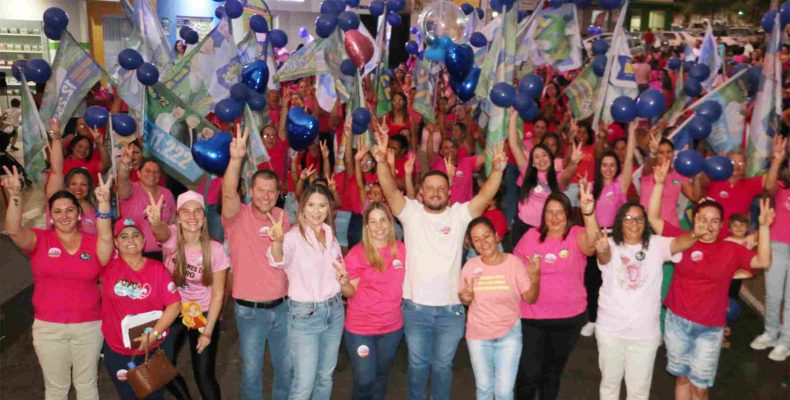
x=531, y=176
x=76, y=140
x=84, y=172
x=619, y=219
x=566, y=207
x=599, y=183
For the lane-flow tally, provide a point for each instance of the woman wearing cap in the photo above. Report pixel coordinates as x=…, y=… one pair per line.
x=198, y=266
x=66, y=263
x=133, y=285
x=311, y=257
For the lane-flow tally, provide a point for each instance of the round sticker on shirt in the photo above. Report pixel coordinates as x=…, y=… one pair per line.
x=54, y=252
x=640, y=255
x=459, y=173
x=538, y=189
x=696, y=256
x=122, y=375
x=609, y=194
x=564, y=253
x=363, y=351
x=397, y=264
x=85, y=256
x=264, y=231
x=171, y=287
x=550, y=258
x=723, y=194
x=87, y=222
x=676, y=182
x=477, y=272
x=444, y=228
x=787, y=203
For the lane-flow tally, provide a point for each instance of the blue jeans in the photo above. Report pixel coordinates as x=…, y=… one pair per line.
x=371, y=364
x=314, y=333
x=432, y=335
x=777, y=288
x=256, y=326
x=692, y=349
x=495, y=364
x=116, y=365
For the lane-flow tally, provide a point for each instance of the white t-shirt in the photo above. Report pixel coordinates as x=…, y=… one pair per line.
x=434, y=243
x=629, y=303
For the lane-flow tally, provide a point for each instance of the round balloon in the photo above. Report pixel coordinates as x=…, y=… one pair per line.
x=96, y=116
x=219, y=12
x=227, y=110
x=700, y=72
x=394, y=20
x=599, y=65
x=502, y=94
x=610, y=4
x=147, y=74
x=412, y=47
x=183, y=31
x=255, y=75
x=465, y=89
x=784, y=13
x=258, y=24
x=123, y=124
x=478, y=39
x=376, y=8
x=18, y=69
x=360, y=116
x=37, y=70
x=278, y=38
x=441, y=18
x=650, y=104
x=213, y=154
x=233, y=9
x=530, y=114
x=325, y=24
x=256, y=101
x=689, y=163
x=52, y=34
x=348, y=20
x=467, y=8
x=480, y=13
x=395, y=5
x=347, y=67
x=239, y=92
x=192, y=37
x=692, y=87
x=768, y=21
x=532, y=85
x=331, y=7
x=623, y=109
x=718, y=168
x=698, y=127
x=583, y=3
x=56, y=19
x=522, y=102
x=301, y=128
x=709, y=110
x=358, y=47
x=352, y=3
x=673, y=63
x=129, y=59
x=599, y=47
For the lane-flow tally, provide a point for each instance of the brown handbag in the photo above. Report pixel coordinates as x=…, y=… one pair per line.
x=153, y=374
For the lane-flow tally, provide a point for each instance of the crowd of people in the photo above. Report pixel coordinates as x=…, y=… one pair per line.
x=573, y=230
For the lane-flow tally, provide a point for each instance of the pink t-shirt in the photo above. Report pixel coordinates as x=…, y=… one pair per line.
x=496, y=306
x=562, y=293
x=530, y=209
x=780, y=229
x=193, y=289
x=135, y=205
x=462, y=190
x=129, y=292
x=669, y=197
x=65, y=286
x=375, y=307
x=608, y=202
x=247, y=235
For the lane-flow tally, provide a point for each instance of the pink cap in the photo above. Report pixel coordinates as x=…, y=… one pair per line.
x=190, y=196
x=124, y=223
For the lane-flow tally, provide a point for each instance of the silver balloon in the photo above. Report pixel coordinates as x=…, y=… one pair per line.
x=442, y=18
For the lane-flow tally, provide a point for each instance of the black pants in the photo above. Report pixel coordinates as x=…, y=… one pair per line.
x=202, y=364
x=592, y=282
x=547, y=345
x=518, y=230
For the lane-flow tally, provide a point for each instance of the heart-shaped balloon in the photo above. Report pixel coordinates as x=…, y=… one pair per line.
x=465, y=89
x=255, y=75
x=358, y=47
x=213, y=154
x=459, y=59
x=302, y=128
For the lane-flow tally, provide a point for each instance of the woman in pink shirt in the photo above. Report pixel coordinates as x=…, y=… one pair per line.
x=493, y=285
x=550, y=327
x=66, y=264
x=311, y=257
x=198, y=267
x=374, y=323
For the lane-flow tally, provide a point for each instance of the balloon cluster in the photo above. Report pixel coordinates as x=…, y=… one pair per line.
x=258, y=24
x=690, y=162
x=55, y=22
x=188, y=35
x=35, y=70
x=529, y=90
x=131, y=60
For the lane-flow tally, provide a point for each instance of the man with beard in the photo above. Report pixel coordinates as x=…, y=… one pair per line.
x=433, y=315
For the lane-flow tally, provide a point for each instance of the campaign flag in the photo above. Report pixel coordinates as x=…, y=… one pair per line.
x=154, y=45
x=619, y=79
x=581, y=93
x=727, y=133
x=765, y=122
x=256, y=151
x=425, y=85
x=248, y=48
x=34, y=134
x=307, y=61
x=383, y=92
x=678, y=105
x=553, y=38
x=709, y=55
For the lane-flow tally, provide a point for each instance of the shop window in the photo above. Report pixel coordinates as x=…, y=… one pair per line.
x=657, y=19
x=115, y=31
x=635, y=24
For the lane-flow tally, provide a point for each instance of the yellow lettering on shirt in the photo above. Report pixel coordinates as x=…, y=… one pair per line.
x=491, y=283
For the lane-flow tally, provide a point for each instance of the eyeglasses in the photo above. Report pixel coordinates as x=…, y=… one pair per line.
x=268, y=136
x=634, y=219
x=738, y=163
x=368, y=161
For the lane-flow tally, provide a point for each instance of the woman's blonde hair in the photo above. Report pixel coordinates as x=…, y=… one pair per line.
x=309, y=191
x=180, y=270
x=371, y=252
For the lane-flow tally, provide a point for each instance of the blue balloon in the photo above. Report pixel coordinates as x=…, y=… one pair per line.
x=348, y=20
x=522, y=102
x=129, y=59
x=183, y=31
x=699, y=128
x=650, y=104
x=37, y=70
x=692, y=87
x=123, y=124
x=478, y=39
x=465, y=89
x=358, y=129
x=593, y=30
x=147, y=74
x=459, y=60
x=687, y=65
x=213, y=154
x=531, y=113
x=395, y=5
x=52, y=33
x=467, y=8
x=219, y=12
x=673, y=63
x=360, y=116
x=325, y=24
x=496, y=5
x=347, y=67
x=599, y=47
x=689, y=163
x=56, y=19
x=331, y=7
x=412, y=47
x=18, y=69
x=414, y=30
x=301, y=127
x=623, y=109
x=502, y=94
x=278, y=38
x=599, y=65
x=255, y=75
x=96, y=116
x=258, y=24
x=610, y=4
x=733, y=310
x=768, y=21
x=352, y=3
x=583, y=3
x=256, y=101
x=191, y=37
x=394, y=20
x=508, y=3
x=784, y=13
x=443, y=42
x=480, y=12
x=718, y=168
x=239, y=92
x=233, y=9
x=531, y=85
x=521, y=15
x=700, y=72
x=376, y=8
x=710, y=110
x=434, y=54
x=227, y=110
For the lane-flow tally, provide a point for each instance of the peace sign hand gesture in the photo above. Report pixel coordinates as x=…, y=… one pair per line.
x=661, y=171
x=276, y=232
x=467, y=294
x=103, y=190
x=238, y=147
x=154, y=209
x=779, y=147
x=12, y=181
x=98, y=138
x=767, y=213
x=586, y=199
x=577, y=154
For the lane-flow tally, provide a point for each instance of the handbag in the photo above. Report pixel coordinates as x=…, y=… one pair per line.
x=153, y=374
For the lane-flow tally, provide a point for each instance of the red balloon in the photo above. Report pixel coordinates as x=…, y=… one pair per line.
x=358, y=47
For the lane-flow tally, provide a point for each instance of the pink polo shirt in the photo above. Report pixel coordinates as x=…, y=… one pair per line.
x=462, y=189
x=608, y=202
x=780, y=229
x=562, y=293
x=135, y=206
x=669, y=197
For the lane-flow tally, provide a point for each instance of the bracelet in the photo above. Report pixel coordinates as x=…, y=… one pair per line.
x=589, y=214
x=103, y=215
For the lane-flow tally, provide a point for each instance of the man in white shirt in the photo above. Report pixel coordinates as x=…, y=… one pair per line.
x=10, y=121
x=433, y=316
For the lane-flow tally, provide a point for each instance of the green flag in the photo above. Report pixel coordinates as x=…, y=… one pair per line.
x=34, y=136
x=581, y=93
x=505, y=71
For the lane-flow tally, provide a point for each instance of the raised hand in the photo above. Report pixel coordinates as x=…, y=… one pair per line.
x=654, y=142
x=276, y=233
x=576, y=153
x=391, y=159
x=324, y=149
x=307, y=172
x=779, y=147
x=467, y=294
x=238, y=146
x=347, y=127
x=362, y=150
x=700, y=228
x=154, y=208
x=341, y=274
x=408, y=166
x=380, y=151
x=661, y=171
x=53, y=128
x=533, y=268
x=125, y=158
x=98, y=138
x=602, y=243
x=449, y=167
x=103, y=190
x=586, y=199
x=12, y=181
x=767, y=213
x=499, y=157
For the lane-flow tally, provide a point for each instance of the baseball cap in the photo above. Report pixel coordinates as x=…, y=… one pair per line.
x=189, y=196
x=122, y=224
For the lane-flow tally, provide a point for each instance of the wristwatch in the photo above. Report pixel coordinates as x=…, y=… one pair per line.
x=157, y=334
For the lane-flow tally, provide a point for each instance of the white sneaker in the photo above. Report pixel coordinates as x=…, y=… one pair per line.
x=763, y=342
x=779, y=353
x=588, y=329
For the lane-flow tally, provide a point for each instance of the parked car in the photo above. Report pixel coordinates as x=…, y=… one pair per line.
x=743, y=34
x=634, y=42
x=680, y=38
